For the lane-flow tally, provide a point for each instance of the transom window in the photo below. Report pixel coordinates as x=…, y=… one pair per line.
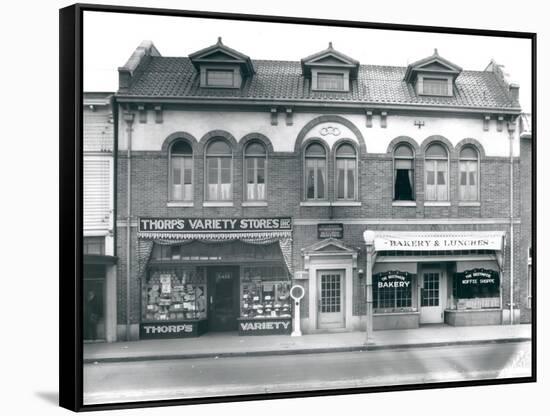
x=437, y=173
x=220, y=77
x=315, y=171
x=346, y=172
x=256, y=171
x=403, y=174
x=330, y=81
x=219, y=164
x=181, y=171
x=435, y=86
x=469, y=174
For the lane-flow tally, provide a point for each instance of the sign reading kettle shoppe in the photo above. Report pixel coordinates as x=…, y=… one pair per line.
x=176, y=225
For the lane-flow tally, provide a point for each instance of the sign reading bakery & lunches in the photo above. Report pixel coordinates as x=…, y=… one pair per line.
x=411, y=241
x=217, y=225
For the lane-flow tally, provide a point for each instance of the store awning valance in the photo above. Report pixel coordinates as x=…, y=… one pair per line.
x=435, y=241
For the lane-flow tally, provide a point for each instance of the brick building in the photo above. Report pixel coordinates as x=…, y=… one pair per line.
x=386, y=192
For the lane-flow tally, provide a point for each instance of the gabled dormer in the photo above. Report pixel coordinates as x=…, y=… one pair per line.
x=433, y=76
x=330, y=70
x=221, y=67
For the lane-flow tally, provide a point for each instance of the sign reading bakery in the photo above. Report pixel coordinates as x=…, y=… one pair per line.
x=176, y=225
x=434, y=241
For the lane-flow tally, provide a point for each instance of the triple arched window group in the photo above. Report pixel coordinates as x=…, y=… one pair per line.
x=436, y=173
x=219, y=172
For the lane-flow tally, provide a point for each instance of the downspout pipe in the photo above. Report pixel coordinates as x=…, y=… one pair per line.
x=511, y=130
x=129, y=119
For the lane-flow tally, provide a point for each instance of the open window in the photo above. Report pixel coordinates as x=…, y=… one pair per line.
x=403, y=173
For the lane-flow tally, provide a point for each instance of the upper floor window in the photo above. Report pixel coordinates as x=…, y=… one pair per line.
x=220, y=78
x=435, y=86
x=315, y=171
x=181, y=171
x=255, y=171
x=94, y=245
x=469, y=174
x=403, y=174
x=437, y=173
x=219, y=167
x=330, y=81
x=346, y=172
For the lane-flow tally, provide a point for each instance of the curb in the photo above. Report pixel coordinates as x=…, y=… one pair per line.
x=355, y=348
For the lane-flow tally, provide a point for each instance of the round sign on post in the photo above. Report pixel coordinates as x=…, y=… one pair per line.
x=297, y=292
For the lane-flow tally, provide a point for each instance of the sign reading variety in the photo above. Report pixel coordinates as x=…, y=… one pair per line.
x=169, y=225
x=438, y=241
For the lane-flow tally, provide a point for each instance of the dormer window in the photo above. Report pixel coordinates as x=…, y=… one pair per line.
x=433, y=76
x=435, y=86
x=330, y=70
x=220, y=77
x=330, y=81
x=221, y=67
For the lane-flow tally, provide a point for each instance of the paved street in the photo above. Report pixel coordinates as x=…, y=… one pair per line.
x=170, y=379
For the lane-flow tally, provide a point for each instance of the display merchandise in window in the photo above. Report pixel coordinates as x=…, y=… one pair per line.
x=476, y=289
x=175, y=295
x=265, y=292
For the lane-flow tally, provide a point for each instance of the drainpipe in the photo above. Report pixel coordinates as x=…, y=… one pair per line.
x=368, y=237
x=511, y=129
x=129, y=119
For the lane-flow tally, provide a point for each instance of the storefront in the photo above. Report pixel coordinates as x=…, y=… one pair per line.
x=416, y=278
x=210, y=274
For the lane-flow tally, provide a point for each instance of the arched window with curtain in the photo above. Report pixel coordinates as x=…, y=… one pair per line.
x=346, y=172
x=403, y=173
x=255, y=156
x=181, y=171
x=437, y=173
x=219, y=167
x=469, y=174
x=315, y=171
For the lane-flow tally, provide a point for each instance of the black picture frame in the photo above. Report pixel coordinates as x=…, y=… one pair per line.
x=71, y=211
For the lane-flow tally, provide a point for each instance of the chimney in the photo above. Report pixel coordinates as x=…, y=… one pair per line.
x=513, y=89
x=131, y=67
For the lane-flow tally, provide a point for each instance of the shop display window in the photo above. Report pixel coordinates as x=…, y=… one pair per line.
x=174, y=295
x=476, y=289
x=392, y=292
x=265, y=292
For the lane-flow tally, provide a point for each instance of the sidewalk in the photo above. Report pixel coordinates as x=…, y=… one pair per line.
x=217, y=345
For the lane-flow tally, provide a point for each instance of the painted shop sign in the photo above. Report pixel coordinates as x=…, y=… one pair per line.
x=264, y=327
x=478, y=277
x=393, y=279
x=330, y=231
x=435, y=242
x=168, y=225
x=182, y=329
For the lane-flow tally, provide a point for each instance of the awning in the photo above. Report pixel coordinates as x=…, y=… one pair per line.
x=435, y=241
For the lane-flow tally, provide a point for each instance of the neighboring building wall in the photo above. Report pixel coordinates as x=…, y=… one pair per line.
x=526, y=189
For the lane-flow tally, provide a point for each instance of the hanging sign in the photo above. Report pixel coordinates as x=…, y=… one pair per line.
x=392, y=279
x=417, y=241
x=175, y=225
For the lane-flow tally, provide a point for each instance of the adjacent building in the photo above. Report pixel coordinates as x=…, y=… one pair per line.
x=393, y=195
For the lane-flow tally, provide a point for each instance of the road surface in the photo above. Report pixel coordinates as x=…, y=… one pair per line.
x=185, y=378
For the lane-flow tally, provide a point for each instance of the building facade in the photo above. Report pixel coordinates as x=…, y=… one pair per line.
x=391, y=194
x=99, y=286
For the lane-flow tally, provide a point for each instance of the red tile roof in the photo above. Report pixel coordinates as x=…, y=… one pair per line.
x=175, y=77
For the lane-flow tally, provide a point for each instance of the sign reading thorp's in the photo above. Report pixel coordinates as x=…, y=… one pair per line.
x=175, y=225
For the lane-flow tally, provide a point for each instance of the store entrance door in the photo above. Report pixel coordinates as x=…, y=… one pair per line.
x=431, y=295
x=223, y=298
x=330, y=297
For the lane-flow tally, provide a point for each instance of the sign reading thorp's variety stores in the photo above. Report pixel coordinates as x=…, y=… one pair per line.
x=175, y=225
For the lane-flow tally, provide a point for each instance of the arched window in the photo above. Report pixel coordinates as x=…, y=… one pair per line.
x=219, y=167
x=315, y=171
x=181, y=171
x=255, y=157
x=346, y=172
x=403, y=173
x=469, y=174
x=437, y=173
